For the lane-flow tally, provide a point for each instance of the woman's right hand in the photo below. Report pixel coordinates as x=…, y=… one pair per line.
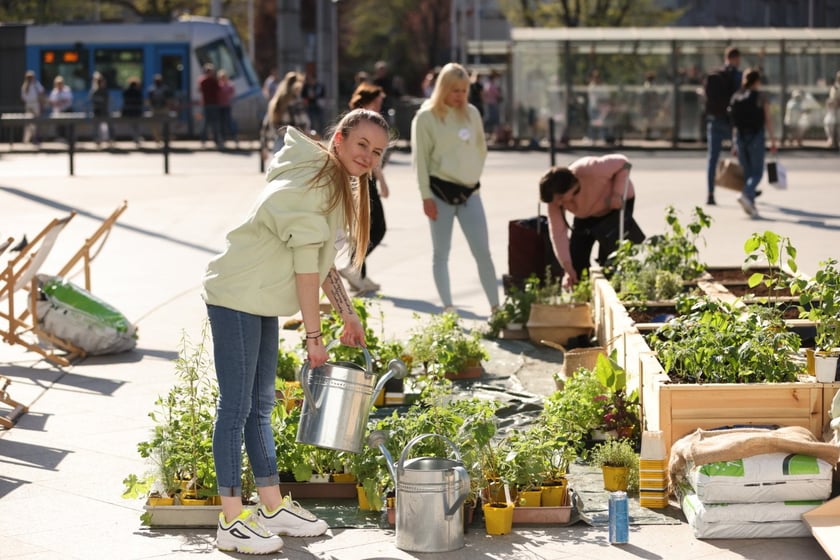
x=316, y=352
x=430, y=208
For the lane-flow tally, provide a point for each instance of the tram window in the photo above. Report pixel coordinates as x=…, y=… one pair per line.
x=69, y=64
x=219, y=54
x=119, y=65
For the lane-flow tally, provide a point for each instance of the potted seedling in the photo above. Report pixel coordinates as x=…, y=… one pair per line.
x=617, y=459
x=446, y=349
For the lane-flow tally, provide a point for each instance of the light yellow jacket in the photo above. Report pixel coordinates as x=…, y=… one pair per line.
x=287, y=232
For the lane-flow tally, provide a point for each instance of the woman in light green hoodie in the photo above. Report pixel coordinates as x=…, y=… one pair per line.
x=275, y=263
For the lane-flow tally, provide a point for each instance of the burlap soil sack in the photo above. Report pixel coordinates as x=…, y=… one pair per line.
x=710, y=446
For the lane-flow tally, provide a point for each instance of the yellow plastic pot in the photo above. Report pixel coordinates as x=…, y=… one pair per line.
x=554, y=495
x=498, y=518
x=615, y=478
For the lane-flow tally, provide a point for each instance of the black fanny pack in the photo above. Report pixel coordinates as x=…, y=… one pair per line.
x=450, y=192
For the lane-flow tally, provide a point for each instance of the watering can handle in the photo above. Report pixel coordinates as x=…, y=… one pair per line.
x=404, y=455
x=462, y=477
x=304, y=372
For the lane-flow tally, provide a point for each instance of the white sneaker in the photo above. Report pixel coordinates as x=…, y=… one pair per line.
x=292, y=520
x=246, y=534
x=748, y=206
x=353, y=277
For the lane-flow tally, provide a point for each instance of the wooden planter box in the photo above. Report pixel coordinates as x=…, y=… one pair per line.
x=679, y=409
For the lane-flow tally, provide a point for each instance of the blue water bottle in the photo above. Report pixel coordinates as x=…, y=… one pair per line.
x=619, y=518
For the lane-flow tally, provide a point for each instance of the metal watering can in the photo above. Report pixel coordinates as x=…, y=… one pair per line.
x=337, y=401
x=429, y=498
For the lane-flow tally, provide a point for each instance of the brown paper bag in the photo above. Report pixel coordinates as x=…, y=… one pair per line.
x=729, y=174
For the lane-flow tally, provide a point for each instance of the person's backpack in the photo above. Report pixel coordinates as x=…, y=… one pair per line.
x=746, y=112
x=719, y=87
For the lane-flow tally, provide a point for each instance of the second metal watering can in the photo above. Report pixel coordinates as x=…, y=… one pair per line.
x=429, y=498
x=337, y=401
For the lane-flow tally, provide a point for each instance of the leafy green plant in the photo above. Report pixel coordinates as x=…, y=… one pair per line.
x=819, y=301
x=655, y=269
x=712, y=341
x=443, y=346
x=514, y=309
x=778, y=254
x=288, y=364
x=292, y=457
x=181, y=443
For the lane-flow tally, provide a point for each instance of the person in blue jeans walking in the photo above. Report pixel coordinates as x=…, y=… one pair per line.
x=750, y=115
x=718, y=88
x=276, y=263
x=448, y=150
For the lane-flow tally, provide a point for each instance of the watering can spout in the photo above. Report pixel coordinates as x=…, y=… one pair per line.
x=377, y=439
x=396, y=370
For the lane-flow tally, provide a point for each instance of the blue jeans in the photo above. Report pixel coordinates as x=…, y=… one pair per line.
x=245, y=351
x=474, y=225
x=718, y=129
x=751, y=157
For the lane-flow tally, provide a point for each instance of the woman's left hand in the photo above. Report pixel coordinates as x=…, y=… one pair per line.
x=354, y=332
x=773, y=146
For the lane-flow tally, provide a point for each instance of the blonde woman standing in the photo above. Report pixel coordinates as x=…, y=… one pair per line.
x=448, y=152
x=276, y=263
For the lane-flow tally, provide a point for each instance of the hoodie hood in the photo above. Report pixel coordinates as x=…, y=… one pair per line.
x=298, y=150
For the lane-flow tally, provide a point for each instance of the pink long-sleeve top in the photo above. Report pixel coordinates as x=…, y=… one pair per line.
x=602, y=181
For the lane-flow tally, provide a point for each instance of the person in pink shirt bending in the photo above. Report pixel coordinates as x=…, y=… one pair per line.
x=593, y=190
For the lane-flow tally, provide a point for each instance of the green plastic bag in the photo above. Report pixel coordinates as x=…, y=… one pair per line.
x=71, y=313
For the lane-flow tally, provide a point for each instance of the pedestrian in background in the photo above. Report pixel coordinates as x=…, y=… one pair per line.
x=227, y=91
x=369, y=96
x=831, y=121
x=161, y=101
x=61, y=101
x=718, y=88
x=273, y=265
x=448, y=152
x=750, y=115
x=593, y=190
x=133, y=106
x=285, y=109
x=208, y=86
x=313, y=93
x=100, y=106
x=32, y=95
x=270, y=84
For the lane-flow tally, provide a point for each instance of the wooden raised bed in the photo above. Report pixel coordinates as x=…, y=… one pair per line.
x=679, y=409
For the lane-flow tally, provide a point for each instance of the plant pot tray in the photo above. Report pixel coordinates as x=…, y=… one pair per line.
x=541, y=515
x=183, y=516
x=319, y=489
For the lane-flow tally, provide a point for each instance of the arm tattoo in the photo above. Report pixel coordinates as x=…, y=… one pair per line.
x=342, y=301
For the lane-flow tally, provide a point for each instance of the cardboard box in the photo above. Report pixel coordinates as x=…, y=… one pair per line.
x=824, y=522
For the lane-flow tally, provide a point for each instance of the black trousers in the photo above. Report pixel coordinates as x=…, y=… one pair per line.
x=377, y=221
x=603, y=229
